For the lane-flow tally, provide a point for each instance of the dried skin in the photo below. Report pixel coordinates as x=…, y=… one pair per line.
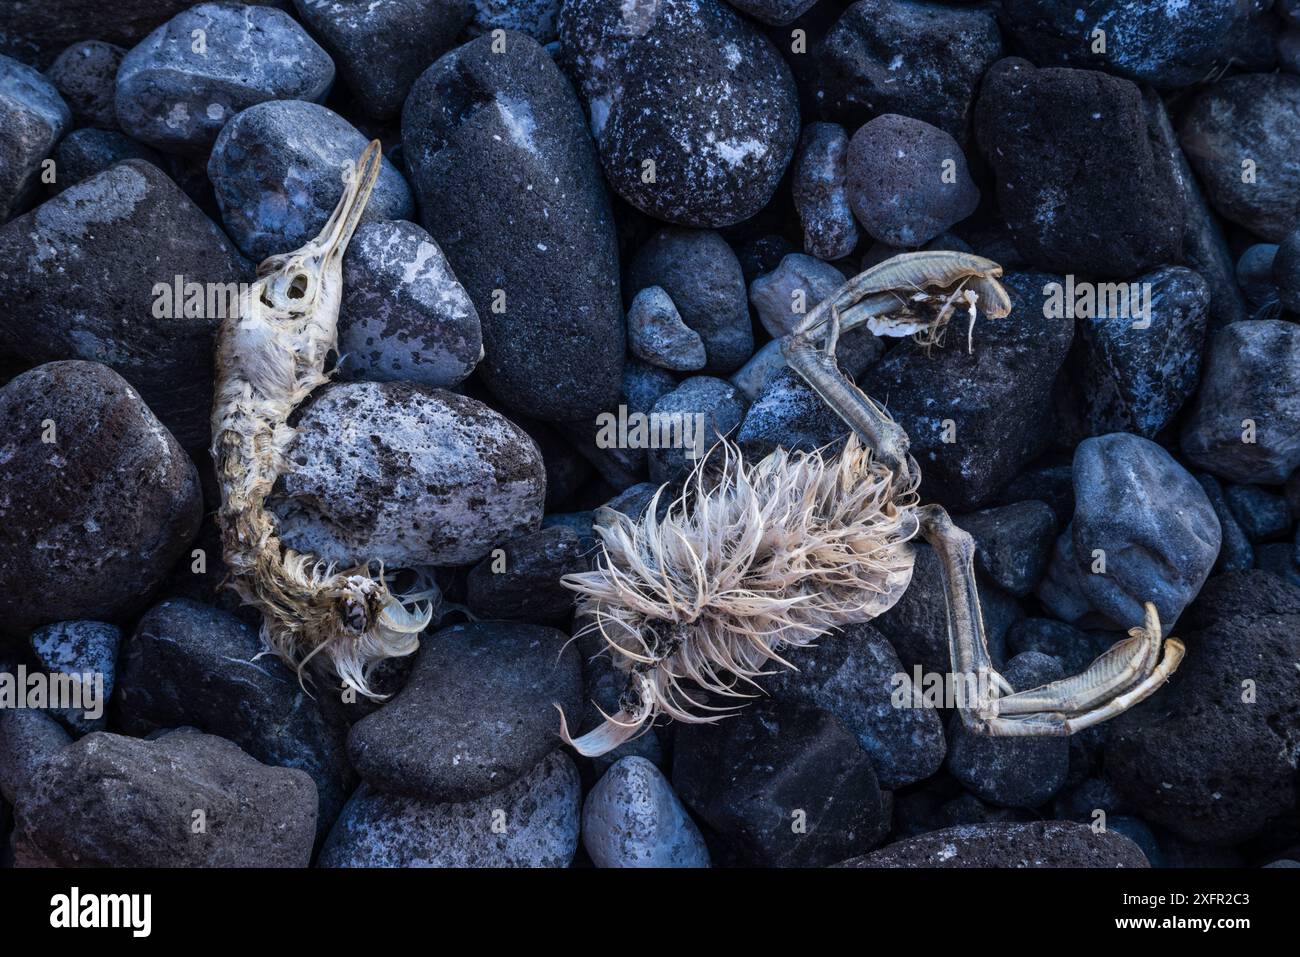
x=270, y=356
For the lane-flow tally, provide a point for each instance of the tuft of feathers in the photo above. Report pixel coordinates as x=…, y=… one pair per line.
x=750, y=559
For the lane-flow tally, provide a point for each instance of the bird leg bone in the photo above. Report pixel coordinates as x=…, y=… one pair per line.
x=892, y=299
x=1130, y=671
x=888, y=298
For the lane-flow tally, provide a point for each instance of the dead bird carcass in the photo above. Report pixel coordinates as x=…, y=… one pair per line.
x=754, y=558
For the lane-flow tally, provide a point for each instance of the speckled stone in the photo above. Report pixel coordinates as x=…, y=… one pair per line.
x=784, y=296
x=531, y=823
x=382, y=47
x=540, y=259
x=407, y=475
x=820, y=193
x=908, y=180
x=173, y=97
x=82, y=650
x=1139, y=370
x=476, y=714
x=255, y=816
x=1210, y=758
x=1252, y=376
x=108, y=298
x=95, y=518
x=923, y=60
x=404, y=314
x=1087, y=188
x=1248, y=117
x=85, y=74
x=657, y=335
x=1037, y=844
x=1169, y=45
x=977, y=418
x=277, y=170
x=33, y=116
x=720, y=135
x=788, y=414
x=538, y=18
x=632, y=818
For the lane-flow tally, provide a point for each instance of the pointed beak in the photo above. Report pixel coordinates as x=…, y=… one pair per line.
x=358, y=182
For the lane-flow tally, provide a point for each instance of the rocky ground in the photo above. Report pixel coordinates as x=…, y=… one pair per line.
x=594, y=204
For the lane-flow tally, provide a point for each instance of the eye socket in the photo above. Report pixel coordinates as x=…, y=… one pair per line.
x=298, y=288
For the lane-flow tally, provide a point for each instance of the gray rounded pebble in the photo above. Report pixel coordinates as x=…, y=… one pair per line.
x=789, y=292
x=177, y=88
x=95, y=519
x=1243, y=424
x=1256, y=118
x=1141, y=517
x=657, y=335
x=404, y=315
x=907, y=180
x=277, y=171
x=632, y=818
x=703, y=278
x=753, y=377
x=819, y=185
x=85, y=74
x=531, y=823
x=86, y=651
x=407, y=475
